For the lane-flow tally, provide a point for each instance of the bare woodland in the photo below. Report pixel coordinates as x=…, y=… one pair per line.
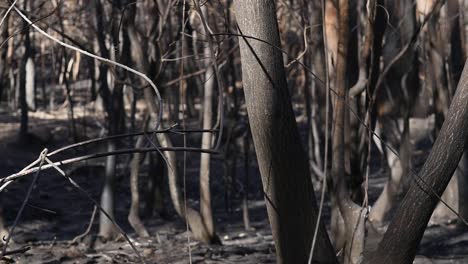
x=234, y=131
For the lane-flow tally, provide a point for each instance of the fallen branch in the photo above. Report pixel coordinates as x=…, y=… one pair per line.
x=16, y=251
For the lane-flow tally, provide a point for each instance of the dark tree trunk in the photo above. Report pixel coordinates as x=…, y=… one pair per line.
x=112, y=96
x=462, y=175
x=394, y=99
x=4, y=65
x=283, y=164
x=22, y=81
x=353, y=220
x=22, y=99
x=407, y=228
x=154, y=195
x=193, y=218
x=66, y=81
x=134, y=214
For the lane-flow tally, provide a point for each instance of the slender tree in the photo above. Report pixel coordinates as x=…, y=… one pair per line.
x=22, y=80
x=207, y=138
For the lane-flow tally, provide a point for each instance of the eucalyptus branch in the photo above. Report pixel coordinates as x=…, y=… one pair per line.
x=23, y=173
x=97, y=140
x=99, y=58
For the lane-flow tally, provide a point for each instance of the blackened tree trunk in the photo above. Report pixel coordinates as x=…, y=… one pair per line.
x=65, y=80
x=403, y=81
x=22, y=81
x=353, y=216
x=402, y=238
x=4, y=66
x=282, y=161
x=112, y=95
x=462, y=175
x=442, y=76
x=140, y=58
x=134, y=214
x=456, y=58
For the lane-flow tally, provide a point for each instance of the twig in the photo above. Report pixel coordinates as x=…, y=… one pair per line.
x=306, y=47
x=410, y=44
x=25, y=201
x=96, y=204
x=327, y=135
x=316, y=169
x=104, y=60
x=16, y=251
x=22, y=173
x=366, y=50
x=220, y=121
x=168, y=130
x=26, y=27
x=88, y=229
x=7, y=12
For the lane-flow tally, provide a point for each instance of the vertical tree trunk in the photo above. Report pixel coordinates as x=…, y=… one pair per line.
x=113, y=102
x=156, y=186
x=30, y=84
x=106, y=228
x=245, y=195
x=205, y=193
x=65, y=80
x=462, y=175
x=22, y=99
x=397, y=99
x=4, y=65
x=69, y=100
x=134, y=214
x=283, y=164
x=351, y=212
x=331, y=34
x=22, y=80
x=210, y=82
x=193, y=218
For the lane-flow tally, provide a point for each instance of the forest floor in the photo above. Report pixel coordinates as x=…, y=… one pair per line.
x=57, y=212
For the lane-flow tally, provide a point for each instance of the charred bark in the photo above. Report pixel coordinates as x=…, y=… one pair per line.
x=404, y=234
x=283, y=164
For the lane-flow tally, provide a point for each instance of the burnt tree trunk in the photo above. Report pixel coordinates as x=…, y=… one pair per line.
x=462, y=175
x=205, y=159
x=134, y=214
x=193, y=218
x=22, y=80
x=283, y=163
x=405, y=232
x=112, y=96
x=353, y=220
